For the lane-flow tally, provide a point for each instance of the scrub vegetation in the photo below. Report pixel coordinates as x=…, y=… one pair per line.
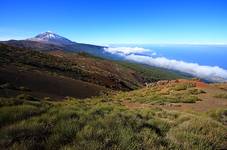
x=61, y=100
x=104, y=123
x=163, y=93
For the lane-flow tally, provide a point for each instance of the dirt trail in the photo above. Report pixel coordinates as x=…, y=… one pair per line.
x=208, y=101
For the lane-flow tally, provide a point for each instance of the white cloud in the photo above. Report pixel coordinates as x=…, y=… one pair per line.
x=125, y=50
x=154, y=54
x=212, y=73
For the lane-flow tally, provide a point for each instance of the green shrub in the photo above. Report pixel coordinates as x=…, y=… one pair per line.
x=9, y=101
x=29, y=134
x=180, y=87
x=219, y=115
x=27, y=97
x=47, y=98
x=5, y=86
x=63, y=133
x=196, y=91
x=22, y=88
x=222, y=95
x=15, y=113
x=189, y=99
x=183, y=86
x=199, y=133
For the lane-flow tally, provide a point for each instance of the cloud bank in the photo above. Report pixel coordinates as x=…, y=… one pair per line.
x=125, y=50
x=211, y=73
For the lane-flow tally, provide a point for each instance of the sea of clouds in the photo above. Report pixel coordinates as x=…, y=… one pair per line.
x=150, y=57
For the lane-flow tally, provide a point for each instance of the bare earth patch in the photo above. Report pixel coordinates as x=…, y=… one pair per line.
x=207, y=100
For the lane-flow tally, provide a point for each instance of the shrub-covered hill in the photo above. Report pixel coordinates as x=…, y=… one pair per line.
x=25, y=67
x=36, y=111
x=138, y=119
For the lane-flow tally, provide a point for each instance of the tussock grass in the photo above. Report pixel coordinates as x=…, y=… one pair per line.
x=14, y=113
x=97, y=123
x=10, y=101
x=163, y=95
x=183, y=86
x=219, y=115
x=199, y=133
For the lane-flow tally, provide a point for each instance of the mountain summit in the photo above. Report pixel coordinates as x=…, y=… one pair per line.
x=52, y=38
x=49, y=41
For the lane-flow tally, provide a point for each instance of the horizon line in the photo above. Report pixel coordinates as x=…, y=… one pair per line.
x=129, y=43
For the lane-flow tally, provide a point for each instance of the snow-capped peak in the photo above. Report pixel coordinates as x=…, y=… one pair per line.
x=52, y=38
x=48, y=35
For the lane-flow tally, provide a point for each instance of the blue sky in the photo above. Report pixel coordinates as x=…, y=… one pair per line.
x=117, y=21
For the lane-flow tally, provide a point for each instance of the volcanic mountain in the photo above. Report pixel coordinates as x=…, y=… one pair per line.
x=51, y=38
x=49, y=41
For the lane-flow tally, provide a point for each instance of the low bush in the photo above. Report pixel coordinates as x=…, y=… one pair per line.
x=196, y=91
x=219, y=115
x=27, y=97
x=183, y=86
x=199, y=133
x=19, y=112
x=222, y=95
x=9, y=101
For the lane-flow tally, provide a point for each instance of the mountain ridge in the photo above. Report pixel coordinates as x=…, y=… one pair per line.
x=49, y=41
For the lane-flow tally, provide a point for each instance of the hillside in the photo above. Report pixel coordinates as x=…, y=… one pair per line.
x=22, y=66
x=153, y=73
x=123, y=120
x=65, y=100
x=121, y=69
x=180, y=94
x=113, y=75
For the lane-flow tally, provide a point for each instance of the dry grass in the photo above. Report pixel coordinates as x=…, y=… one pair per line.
x=163, y=94
x=101, y=123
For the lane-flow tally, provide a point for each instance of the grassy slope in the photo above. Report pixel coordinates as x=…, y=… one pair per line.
x=101, y=123
x=163, y=92
x=152, y=74
x=180, y=95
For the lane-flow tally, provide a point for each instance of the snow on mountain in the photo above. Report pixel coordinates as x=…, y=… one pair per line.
x=52, y=38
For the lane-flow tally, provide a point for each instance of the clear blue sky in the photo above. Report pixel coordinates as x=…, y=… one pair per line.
x=117, y=21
